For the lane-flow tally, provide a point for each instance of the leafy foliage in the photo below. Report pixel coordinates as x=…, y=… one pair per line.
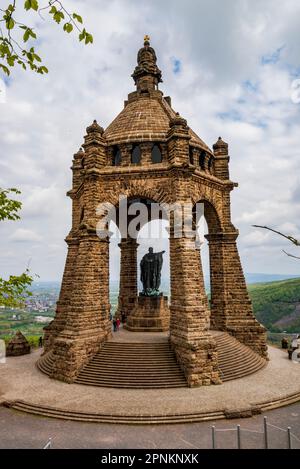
x=14, y=290
x=9, y=207
x=14, y=35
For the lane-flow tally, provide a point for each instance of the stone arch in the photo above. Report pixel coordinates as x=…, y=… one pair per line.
x=211, y=216
x=142, y=190
x=212, y=209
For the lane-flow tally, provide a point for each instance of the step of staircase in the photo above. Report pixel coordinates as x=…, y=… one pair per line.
x=133, y=365
x=152, y=365
x=236, y=360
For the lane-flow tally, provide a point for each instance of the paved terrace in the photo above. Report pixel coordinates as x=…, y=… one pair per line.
x=275, y=385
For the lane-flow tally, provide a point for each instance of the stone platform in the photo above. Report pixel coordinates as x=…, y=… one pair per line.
x=24, y=387
x=146, y=361
x=150, y=314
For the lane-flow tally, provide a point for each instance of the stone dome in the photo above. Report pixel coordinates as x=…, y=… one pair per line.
x=147, y=113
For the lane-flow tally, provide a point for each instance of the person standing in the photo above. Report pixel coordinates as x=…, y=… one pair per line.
x=123, y=316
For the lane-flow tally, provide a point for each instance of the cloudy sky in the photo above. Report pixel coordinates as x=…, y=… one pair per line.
x=229, y=66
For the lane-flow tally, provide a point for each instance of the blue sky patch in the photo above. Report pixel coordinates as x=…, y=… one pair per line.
x=177, y=65
x=230, y=115
x=272, y=58
x=250, y=86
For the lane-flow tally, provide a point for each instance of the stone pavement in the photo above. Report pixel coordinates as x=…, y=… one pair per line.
x=21, y=380
x=20, y=430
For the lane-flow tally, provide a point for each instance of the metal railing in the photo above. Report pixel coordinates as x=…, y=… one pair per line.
x=48, y=445
x=257, y=439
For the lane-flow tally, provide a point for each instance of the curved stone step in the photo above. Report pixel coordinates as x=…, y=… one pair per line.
x=153, y=365
x=108, y=418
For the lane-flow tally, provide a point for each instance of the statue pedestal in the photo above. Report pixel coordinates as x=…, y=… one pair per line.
x=150, y=314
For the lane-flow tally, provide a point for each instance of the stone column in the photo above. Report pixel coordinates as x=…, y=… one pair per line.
x=125, y=154
x=62, y=305
x=128, y=276
x=87, y=323
x=231, y=308
x=146, y=157
x=189, y=322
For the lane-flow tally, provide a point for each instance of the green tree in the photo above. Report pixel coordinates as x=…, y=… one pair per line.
x=15, y=35
x=14, y=290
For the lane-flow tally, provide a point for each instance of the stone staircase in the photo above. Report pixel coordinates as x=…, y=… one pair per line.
x=133, y=365
x=236, y=360
x=152, y=365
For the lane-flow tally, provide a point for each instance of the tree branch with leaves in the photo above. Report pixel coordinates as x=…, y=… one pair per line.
x=14, y=34
x=14, y=290
x=293, y=240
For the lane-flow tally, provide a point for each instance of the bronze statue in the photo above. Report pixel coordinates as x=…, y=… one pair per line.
x=151, y=265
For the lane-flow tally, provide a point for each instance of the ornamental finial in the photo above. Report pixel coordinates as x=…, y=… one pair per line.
x=146, y=40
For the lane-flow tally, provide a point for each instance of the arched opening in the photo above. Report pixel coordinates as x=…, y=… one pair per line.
x=136, y=155
x=202, y=160
x=210, y=164
x=81, y=215
x=156, y=155
x=207, y=222
x=114, y=266
x=143, y=227
x=116, y=156
x=155, y=234
x=191, y=155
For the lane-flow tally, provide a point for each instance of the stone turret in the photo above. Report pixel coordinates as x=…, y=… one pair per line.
x=146, y=75
x=221, y=160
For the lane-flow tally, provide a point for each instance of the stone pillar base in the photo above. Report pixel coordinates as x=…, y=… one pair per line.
x=72, y=351
x=150, y=314
x=199, y=361
x=252, y=334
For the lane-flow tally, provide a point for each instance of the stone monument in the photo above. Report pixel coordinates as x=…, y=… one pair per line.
x=151, y=312
x=149, y=153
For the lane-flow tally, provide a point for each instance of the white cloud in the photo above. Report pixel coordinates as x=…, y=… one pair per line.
x=25, y=235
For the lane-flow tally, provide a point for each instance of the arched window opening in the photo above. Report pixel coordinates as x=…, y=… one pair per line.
x=116, y=160
x=202, y=160
x=191, y=155
x=136, y=155
x=82, y=215
x=156, y=155
x=210, y=164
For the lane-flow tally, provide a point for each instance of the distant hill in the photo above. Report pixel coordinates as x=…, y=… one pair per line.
x=259, y=278
x=277, y=304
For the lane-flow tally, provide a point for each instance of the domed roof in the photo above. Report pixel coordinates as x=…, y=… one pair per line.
x=147, y=114
x=145, y=119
